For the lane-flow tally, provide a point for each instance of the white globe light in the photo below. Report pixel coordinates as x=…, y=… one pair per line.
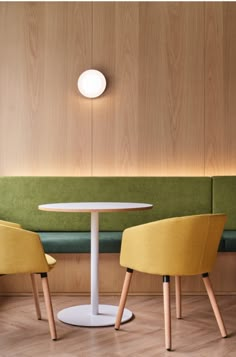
x=91, y=83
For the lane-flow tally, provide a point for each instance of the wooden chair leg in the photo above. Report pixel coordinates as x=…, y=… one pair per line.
x=178, y=297
x=167, y=314
x=214, y=305
x=124, y=294
x=48, y=304
x=36, y=296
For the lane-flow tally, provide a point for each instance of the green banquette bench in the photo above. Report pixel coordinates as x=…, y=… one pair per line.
x=224, y=200
x=70, y=232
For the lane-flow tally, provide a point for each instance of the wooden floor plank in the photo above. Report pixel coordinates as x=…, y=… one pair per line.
x=196, y=335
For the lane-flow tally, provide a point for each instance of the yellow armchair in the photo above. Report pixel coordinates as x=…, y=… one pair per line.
x=173, y=247
x=22, y=252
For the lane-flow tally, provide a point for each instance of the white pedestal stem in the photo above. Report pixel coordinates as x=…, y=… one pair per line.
x=94, y=262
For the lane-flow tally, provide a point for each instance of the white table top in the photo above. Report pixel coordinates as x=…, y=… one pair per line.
x=94, y=206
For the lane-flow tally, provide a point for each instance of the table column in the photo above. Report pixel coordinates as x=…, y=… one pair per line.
x=94, y=263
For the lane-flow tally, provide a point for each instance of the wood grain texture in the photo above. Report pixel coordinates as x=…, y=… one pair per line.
x=169, y=107
x=171, y=102
x=12, y=72
x=72, y=276
x=156, y=117
x=78, y=148
x=229, y=16
x=45, y=124
x=214, y=90
x=220, y=79
x=196, y=335
x=115, y=44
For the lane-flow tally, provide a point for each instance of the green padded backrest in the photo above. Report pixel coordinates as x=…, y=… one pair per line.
x=224, y=198
x=171, y=196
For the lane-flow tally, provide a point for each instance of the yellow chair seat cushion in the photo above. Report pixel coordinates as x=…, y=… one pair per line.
x=50, y=260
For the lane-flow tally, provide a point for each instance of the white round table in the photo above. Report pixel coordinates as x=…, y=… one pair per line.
x=93, y=315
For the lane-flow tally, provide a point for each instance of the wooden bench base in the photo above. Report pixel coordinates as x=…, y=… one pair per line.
x=72, y=276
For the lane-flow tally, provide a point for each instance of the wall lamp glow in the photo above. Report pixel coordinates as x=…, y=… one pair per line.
x=91, y=83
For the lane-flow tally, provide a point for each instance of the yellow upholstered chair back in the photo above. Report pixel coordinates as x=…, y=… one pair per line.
x=175, y=246
x=10, y=224
x=21, y=251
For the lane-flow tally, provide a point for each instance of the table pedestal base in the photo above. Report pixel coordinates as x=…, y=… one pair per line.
x=82, y=316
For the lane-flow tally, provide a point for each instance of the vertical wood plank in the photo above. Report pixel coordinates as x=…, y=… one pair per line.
x=152, y=89
x=171, y=96
x=229, y=41
x=78, y=146
x=103, y=108
x=33, y=63
x=53, y=121
x=13, y=89
x=115, y=47
x=215, y=145
x=220, y=88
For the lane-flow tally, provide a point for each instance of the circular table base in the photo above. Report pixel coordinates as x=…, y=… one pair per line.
x=81, y=316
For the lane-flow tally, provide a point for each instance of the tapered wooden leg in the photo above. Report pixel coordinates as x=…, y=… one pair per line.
x=48, y=304
x=123, y=298
x=214, y=305
x=167, y=315
x=178, y=297
x=36, y=296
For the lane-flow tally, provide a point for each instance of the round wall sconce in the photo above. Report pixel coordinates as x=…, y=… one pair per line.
x=91, y=83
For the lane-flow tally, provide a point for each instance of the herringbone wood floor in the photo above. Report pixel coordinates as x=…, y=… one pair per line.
x=196, y=335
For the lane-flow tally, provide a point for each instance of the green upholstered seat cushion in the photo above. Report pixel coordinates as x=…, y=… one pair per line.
x=224, y=198
x=228, y=241
x=79, y=242
x=221, y=247
x=109, y=242
x=171, y=196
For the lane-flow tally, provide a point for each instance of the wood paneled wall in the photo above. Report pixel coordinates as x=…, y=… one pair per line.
x=170, y=104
